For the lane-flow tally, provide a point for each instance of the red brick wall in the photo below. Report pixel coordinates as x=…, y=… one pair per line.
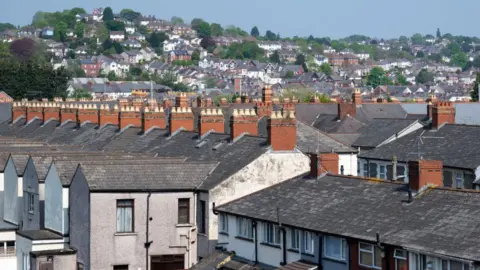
x=209, y=122
x=68, y=114
x=424, y=172
x=19, y=111
x=282, y=134
x=178, y=120
x=130, y=118
x=240, y=124
x=33, y=112
x=108, y=117
x=443, y=112
x=49, y=113
x=88, y=115
x=154, y=119
x=345, y=109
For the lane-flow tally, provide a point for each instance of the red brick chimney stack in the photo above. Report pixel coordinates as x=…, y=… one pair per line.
x=357, y=97
x=108, y=116
x=68, y=112
x=181, y=100
x=282, y=131
x=211, y=119
x=130, y=116
x=443, y=112
x=267, y=94
x=34, y=109
x=51, y=111
x=323, y=163
x=154, y=118
x=345, y=109
x=137, y=102
x=87, y=112
x=422, y=173
x=123, y=102
x=181, y=117
x=243, y=121
x=18, y=110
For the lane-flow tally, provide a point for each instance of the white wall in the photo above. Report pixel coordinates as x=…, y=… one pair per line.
x=349, y=163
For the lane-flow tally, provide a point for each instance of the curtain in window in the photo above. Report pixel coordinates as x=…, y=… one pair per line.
x=124, y=219
x=333, y=247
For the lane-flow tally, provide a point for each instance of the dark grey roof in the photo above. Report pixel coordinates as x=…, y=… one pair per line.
x=443, y=222
x=345, y=138
x=308, y=112
x=7, y=226
x=40, y=235
x=311, y=140
x=213, y=261
x=379, y=130
x=455, y=145
x=5, y=111
x=368, y=112
x=168, y=176
x=333, y=124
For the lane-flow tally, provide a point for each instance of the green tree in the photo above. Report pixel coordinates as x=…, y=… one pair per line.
x=275, y=57
x=474, y=92
x=204, y=30
x=81, y=93
x=418, y=39
x=196, y=56
x=317, y=48
x=269, y=35
x=289, y=74
x=107, y=44
x=156, y=39
x=403, y=40
x=216, y=30
x=107, y=14
x=302, y=44
x=176, y=20
x=78, y=10
x=439, y=35
x=118, y=47
x=401, y=79
x=420, y=54
x=300, y=59
x=459, y=59
x=326, y=69
x=377, y=76
x=129, y=14
x=476, y=62
x=6, y=26
x=80, y=29
x=254, y=32
x=112, y=76
x=195, y=23
x=115, y=26
x=60, y=32
x=424, y=77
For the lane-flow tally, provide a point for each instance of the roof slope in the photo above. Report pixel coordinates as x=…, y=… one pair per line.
x=439, y=221
x=379, y=130
x=168, y=176
x=310, y=140
x=455, y=145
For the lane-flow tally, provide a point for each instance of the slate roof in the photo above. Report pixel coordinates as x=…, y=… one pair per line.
x=213, y=261
x=455, y=145
x=379, y=130
x=345, y=138
x=333, y=124
x=445, y=222
x=168, y=176
x=311, y=140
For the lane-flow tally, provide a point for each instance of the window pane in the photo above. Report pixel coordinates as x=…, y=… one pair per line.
x=373, y=169
x=183, y=211
x=447, y=178
x=390, y=172
x=458, y=180
x=366, y=246
x=456, y=265
x=333, y=247
x=444, y=265
x=378, y=257
x=366, y=258
x=468, y=181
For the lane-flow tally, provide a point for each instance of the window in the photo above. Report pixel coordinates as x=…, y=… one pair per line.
x=458, y=180
x=124, y=216
x=120, y=267
x=294, y=239
x=447, y=178
x=183, y=211
x=223, y=223
x=454, y=265
x=31, y=202
x=334, y=248
x=202, y=218
x=308, y=245
x=244, y=227
x=400, y=259
x=271, y=233
x=370, y=255
x=365, y=169
x=382, y=172
x=372, y=167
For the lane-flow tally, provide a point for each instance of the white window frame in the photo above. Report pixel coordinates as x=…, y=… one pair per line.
x=246, y=232
x=306, y=238
x=371, y=251
x=223, y=223
x=382, y=175
x=458, y=176
x=402, y=257
x=343, y=251
x=449, y=266
x=294, y=239
x=271, y=234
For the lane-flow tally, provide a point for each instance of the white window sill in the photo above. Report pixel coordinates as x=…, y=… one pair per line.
x=184, y=225
x=125, y=234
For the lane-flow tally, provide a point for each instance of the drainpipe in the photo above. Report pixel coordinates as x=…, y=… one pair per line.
x=254, y=225
x=147, y=224
x=320, y=252
x=284, y=244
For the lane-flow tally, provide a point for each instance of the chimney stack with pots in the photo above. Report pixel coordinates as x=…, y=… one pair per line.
x=87, y=113
x=181, y=100
x=282, y=131
x=181, y=117
x=68, y=112
x=18, y=110
x=51, y=111
x=211, y=119
x=443, y=112
x=34, y=110
x=130, y=116
x=153, y=117
x=243, y=121
x=357, y=97
x=109, y=116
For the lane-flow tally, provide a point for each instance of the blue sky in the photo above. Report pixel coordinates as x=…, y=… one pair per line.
x=334, y=18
